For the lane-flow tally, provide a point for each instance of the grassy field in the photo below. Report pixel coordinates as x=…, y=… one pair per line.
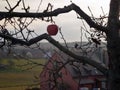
x=21, y=74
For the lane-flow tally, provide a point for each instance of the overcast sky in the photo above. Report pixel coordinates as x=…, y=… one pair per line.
x=68, y=22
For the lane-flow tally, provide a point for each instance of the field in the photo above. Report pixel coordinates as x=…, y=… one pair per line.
x=20, y=74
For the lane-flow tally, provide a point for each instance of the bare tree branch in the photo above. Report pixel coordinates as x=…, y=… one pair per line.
x=57, y=44
x=11, y=10
x=56, y=12
x=88, y=19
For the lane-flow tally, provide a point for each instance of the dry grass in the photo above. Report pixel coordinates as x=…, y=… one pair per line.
x=21, y=79
x=14, y=88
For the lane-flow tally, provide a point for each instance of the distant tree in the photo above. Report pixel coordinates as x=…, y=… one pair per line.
x=111, y=30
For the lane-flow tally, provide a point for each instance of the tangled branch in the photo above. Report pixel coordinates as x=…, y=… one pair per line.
x=81, y=59
x=56, y=12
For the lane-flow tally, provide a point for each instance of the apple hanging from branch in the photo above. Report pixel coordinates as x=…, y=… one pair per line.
x=52, y=29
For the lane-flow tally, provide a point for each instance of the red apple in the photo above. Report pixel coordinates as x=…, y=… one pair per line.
x=52, y=29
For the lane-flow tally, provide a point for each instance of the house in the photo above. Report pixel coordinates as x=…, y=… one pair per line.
x=61, y=75
x=49, y=75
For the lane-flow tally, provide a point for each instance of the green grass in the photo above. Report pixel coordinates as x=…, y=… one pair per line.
x=20, y=75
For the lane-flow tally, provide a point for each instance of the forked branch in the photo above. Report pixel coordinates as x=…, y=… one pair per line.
x=56, y=12
x=58, y=45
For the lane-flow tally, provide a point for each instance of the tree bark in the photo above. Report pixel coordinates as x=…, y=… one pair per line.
x=113, y=46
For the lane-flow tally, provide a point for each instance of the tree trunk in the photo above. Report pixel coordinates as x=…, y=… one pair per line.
x=114, y=65
x=113, y=39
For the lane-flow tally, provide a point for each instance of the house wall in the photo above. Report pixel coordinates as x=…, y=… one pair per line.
x=97, y=82
x=63, y=77
x=46, y=76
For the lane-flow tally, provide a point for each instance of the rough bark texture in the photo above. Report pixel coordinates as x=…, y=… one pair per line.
x=113, y=39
